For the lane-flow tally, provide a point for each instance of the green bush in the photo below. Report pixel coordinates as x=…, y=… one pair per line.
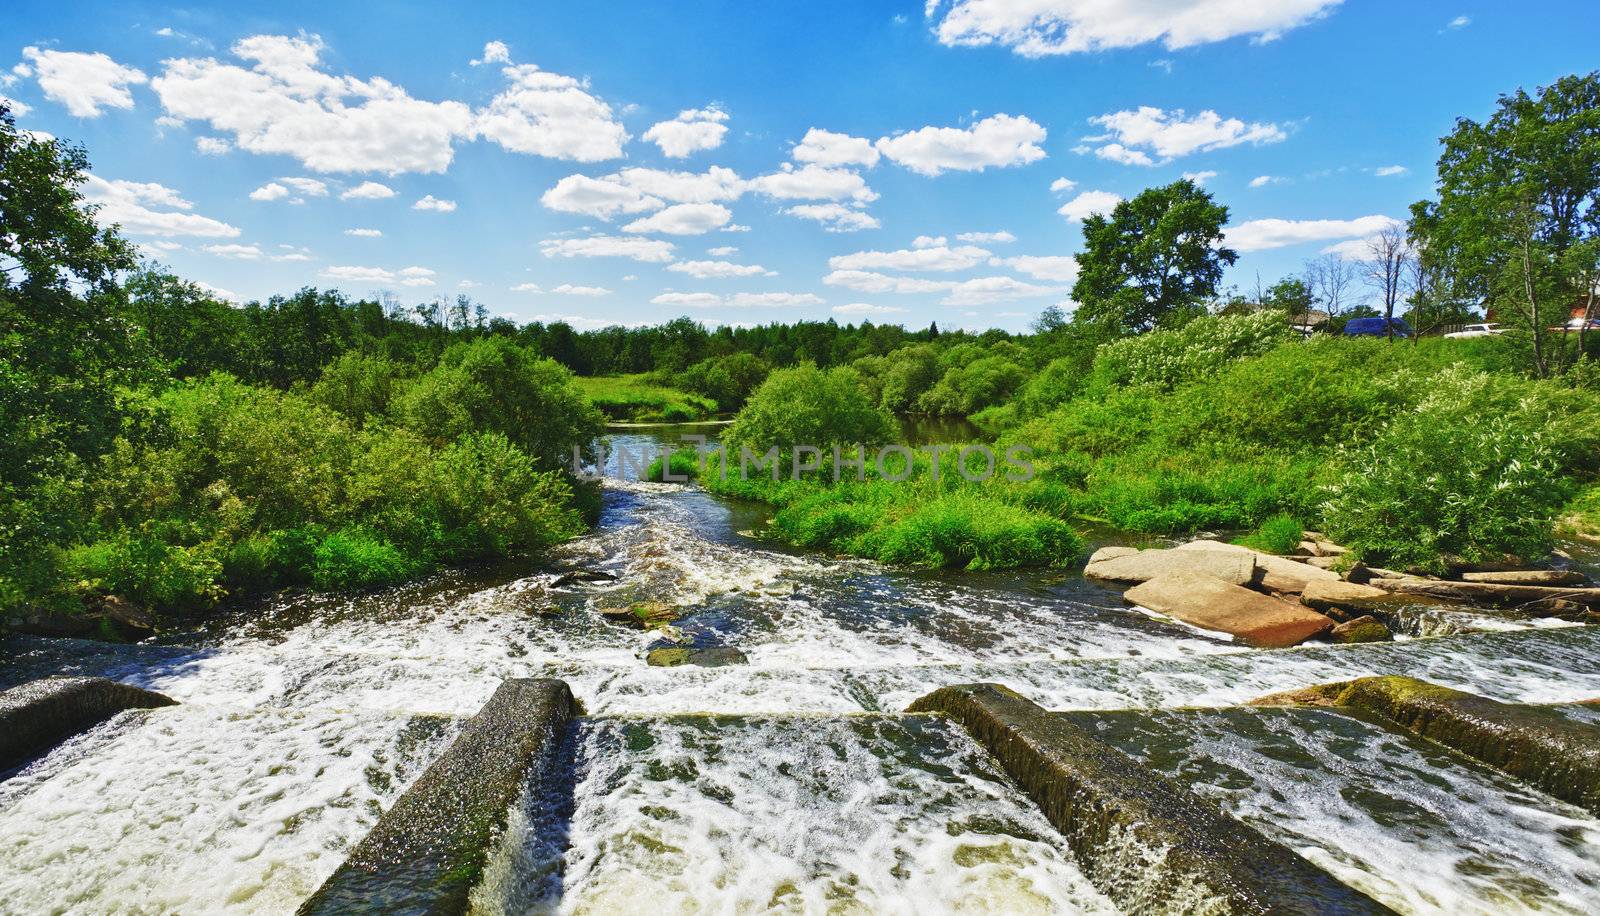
x=144, y=567
x=358, y=386
x=683, y=465
x=1171, y=357
x=1280, y=534
x=808, y=406
x=355, y=557
x=492, y=499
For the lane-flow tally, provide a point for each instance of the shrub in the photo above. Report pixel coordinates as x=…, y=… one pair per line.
x=974, y=532
x=808, y=406
x=492, y=499
x=1279, y=534
x=683, y=465
x=1171, y=357
x=355, y=557
x=979, y=383
x=358, y=387
x=144, y=567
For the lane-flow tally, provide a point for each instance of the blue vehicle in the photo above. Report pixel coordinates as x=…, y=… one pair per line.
x=1373, y=327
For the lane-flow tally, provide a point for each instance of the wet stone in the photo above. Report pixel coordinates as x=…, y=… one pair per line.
x=713, y=657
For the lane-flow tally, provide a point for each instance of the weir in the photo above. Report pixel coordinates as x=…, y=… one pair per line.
x=39, y=714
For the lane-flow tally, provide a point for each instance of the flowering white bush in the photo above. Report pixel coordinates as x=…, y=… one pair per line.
x=1199, y=348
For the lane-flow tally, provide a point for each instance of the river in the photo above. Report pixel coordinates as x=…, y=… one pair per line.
x=786, y=784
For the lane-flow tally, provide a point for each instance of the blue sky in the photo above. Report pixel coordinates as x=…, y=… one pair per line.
x=743, y=162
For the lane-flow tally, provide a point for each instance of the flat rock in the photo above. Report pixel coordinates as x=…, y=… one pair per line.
x=1111, y=553
x=714, y=657
x=1528, y=577
x=1325, y=595
x=1530, y=596
x=1214, y=604
x=1144, y=565
x=1280, y=574
x=1361, y=629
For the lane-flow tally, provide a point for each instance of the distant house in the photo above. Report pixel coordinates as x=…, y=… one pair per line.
x=1309, y=320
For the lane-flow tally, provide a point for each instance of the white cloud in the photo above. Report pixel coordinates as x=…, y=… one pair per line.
x=1062, y=185
x=368, y=190
x=429, y=202
x=870, y=282
x=1261, y=181
x=683, y=219
x=365, y=233
x=270, y=191
x=722, y=251
x=984, y=290
x=835, y=217
x=1000, y=141
x=310, y=187
x=567, y=289
x=936, y=258
x=977, y=291
x=602, y=198
x=212, y=146
x=1170, y=134
x=162, y=246
x=813, y=182
x=692, y=130
x=1088, y=204
x=772, y=300
x=551, y=115
x=235, y=252
x=691, y=300
x=714, y=185
x=18, y=109
x=286, y=103
x=357, y=274
x=84, y=83
x=929, y=241
x=655, y=251
x=1390, y=171
x=133, y=205
x=291, y=253
x=987, y=238
x=1037, y=28
x=865, y=308
x=1460, y=22
x=1059, y=268
x=1200, y=177
x=831, y=150
x=1265, y=234
x=218, y=292
x=719, y=270
x=494, y=52
x=527, y=288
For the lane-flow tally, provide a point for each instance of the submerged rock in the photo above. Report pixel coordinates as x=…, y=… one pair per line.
x=39, y=714
x=1144, y=565
x=714, y=657
x=1361, y=629
x=1213, y=604
x=643, y=614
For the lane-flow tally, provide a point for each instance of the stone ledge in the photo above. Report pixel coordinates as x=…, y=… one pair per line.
x=1537, y=745
x=1144, y=840
x=428, y=851
x=36, y=716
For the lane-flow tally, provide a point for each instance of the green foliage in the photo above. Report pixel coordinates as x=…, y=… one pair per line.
x=1154, y=257
x=1463, y=474
x=356, y=557
x=684, y=466
x=1199, y=348
x=726, y=380
x=808, y=406
x=635, y=398
x=492, y=499
x=1280, y=534
x=359, y=386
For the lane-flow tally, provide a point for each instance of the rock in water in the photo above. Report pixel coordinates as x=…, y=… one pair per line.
x=1528, y=577
x=1325, y=596
x=1280, y=574
x=1214, y=604
x=1362, y=629
x=1144, y=565
x=715, y=657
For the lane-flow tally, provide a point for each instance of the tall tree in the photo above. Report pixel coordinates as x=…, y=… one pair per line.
x=1387, y=269
x=1156, y=255
x=1517, y=193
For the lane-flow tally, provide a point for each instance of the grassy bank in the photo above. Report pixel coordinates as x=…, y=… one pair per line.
x=635, y=398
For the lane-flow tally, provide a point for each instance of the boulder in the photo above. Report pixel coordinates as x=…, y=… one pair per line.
x=1326, y=595
x=1144, y=565
x=37, y=715
x=1528, y=577
x=108, y=618
x=1529, y=596
x=1111, y=553
x=1215, y=604
x=1362, y=629
x=1319, y=546
x=714, y=657
x=1279, y=574
x=646, y=615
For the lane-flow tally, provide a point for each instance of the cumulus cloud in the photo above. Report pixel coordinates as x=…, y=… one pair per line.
x=1038, y=28
x=281, y=188
x=235, y=252
x=1059, y=268
x=147, y=208
x=602, y=198
x=835, y=217
x=365, y=233
x=358, y=274
x=984, y=290
x=867, y=281
x=85, y=83
x=813, y=182
x=987, y=238
x=977, y=291
x=494, y=52
x=831, y=150
x=691, y=131
x=719, y=270
x=656, y=251
x=1001, y=140
x=1261, y=181
x=310, y=187
x=416, y=276
x=866, y=308
x=737, y=300
x=714, y=185
x=1062, y=185
x=270, y=191
x=1200, y=177
x=1170, y=134
x=722, y=251
x=1089, y=203
x=547, y=114
x=1460, y=22
x=211, y=146
x=368, y=190
x=691, y=300
x=429, y=202
x=683, y=219
x=527, y=288
x=1265, y=234
x=938, y=257
x=593, y=292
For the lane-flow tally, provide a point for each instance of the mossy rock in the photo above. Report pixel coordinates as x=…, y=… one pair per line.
x=1361, y=629
x=646, y=615
x=715, y=657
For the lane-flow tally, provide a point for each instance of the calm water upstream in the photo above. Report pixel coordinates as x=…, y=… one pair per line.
x=725, y=790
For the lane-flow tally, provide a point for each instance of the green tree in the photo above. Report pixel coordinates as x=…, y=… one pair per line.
x=1517, y=193
x=1157, y=255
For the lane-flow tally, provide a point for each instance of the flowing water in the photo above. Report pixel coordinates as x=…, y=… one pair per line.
x=786, y=784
